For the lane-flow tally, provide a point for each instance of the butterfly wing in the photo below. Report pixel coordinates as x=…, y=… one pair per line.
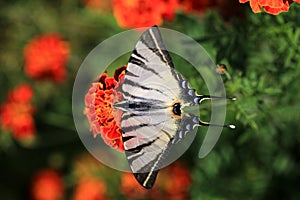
x=151, y=86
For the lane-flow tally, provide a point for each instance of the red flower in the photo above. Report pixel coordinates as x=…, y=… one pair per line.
x=168, y=9
x=132, y=190
x=197, y=6
x=226, y=8
x=21, y=94
x=90, y=189
x=99, y=109
x=270, y=6
x=47, y=185
x=176, y=181
x=16, y=113
x=173, y=182
x=45, y=57
x=143, y=13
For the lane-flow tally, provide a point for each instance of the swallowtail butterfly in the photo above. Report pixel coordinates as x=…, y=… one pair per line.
x=153, y=97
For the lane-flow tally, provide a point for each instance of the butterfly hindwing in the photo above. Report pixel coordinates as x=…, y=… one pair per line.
x=149, y=172
x=146, y=179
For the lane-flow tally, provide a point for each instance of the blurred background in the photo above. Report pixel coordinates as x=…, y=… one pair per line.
x=43, y=44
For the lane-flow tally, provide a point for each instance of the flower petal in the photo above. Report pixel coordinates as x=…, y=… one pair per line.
x=47, y=184
x=256, y=8
x=45, y=57
x=103, y=118
x=138, y=13
x=276, y=11
x=16, y=113
x=271, y=3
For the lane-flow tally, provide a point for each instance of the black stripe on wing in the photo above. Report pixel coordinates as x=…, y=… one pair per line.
x=145, y=100
x=135, y=84
x=153, y=40
x=143, y=66
x=136, y=61
x=128, y=73
x=137, y=149
x=137, y=114
x=139, y=126
x=146, y=176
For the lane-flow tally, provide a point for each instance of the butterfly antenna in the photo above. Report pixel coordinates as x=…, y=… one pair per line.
x=231, y=126
x=201, y=98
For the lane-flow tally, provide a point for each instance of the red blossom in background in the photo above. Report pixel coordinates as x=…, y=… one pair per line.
x=16, y=113
x=47, y=185
x=45, y=57
x=270, y=6
x=172, y=182
x=89, y=174
x=131, y=189
x=143, y=13
x=103, y=119
x=168, y=9
x=226, y=8
x=177, y=181
x=196, y=6
x=90, y=189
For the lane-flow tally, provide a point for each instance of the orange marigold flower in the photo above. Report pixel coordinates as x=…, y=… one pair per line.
x=143, y=13
x=16, y=113
x=176, y=181
x=45, y=57
x=25, y=127
x=168, y=9
x=21, y=94
x=226, y=8
x=173, y=182
x=104, y=120
x=197, y=6
x=47, y=185
x=131, y=189
x=90, y=189
x=270, y=6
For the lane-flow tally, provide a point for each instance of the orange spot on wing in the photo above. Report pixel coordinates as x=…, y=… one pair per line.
x=171, y=109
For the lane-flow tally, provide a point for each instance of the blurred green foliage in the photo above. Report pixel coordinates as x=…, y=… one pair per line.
x=261, y=160
x=258, y=160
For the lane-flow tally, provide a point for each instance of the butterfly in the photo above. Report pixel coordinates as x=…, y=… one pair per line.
x=153, y=119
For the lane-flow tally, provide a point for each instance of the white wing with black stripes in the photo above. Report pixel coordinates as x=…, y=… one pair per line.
x=153, y=95
x=153, y=120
